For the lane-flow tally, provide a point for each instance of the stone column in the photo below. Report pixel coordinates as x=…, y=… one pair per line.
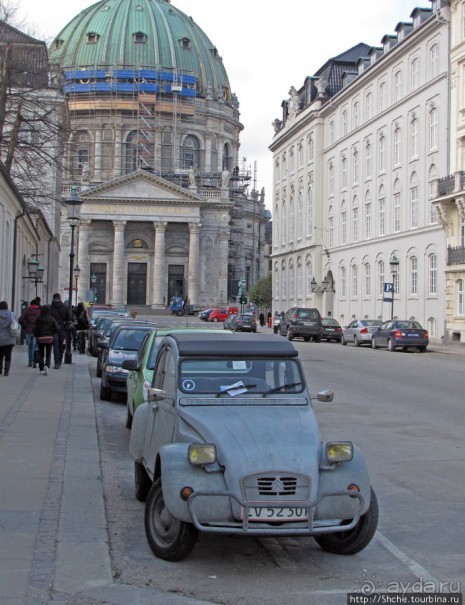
x=223, y=266
x=83, y=260
x=159, y=267
x=193, y=285
x=118, y=264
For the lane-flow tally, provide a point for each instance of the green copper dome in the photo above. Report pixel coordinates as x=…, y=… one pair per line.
x=141, y=34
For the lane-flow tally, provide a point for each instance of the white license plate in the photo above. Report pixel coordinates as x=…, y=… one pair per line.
x=292, y=513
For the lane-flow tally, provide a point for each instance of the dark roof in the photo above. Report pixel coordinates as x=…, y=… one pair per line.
x=333, y=69
x=236, y=345
x=28, y=59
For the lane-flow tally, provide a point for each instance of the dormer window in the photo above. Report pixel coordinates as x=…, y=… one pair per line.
x=139, y=38
x=58, y=43
x=92, y=38
x=214, y=52
x=185, y=43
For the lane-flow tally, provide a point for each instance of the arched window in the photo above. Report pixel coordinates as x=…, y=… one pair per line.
x=413, y=277
x=414, y=138
x=355, y=116
x=190, y=157
x=396, y=207
x=432, y=274
x=291, y=213
x=397, y=146
x=434, y=60
x=331, y=132
x=283, y=282
x=368, y=160
x=415, y=74
x=460, y=297
x=432, y=176
x=80, y=151
x=343, y=223
x=330, y=227
x=291, y=282
x=344, y=122
x=432, y=327
x=354, y=281
x=398, y=86
x=331, y=178
x=433, y=129
x=131, y=151
x=299, y=278
x=368, y=215
x=226, y=163
x=355, y=167
x=214, y=155
x=310, y=209
x=380, y=279
x=355, y=220
x=344, y=172
x=381, y=211
x=310, y=147
x=413, y=201
x=369, y=105
x=382, y=153
x=367, y=280
x=343, y=282
x=284, y=224
x=308, y=276
x=382, y=101
x=276, y=224
x=300, y=214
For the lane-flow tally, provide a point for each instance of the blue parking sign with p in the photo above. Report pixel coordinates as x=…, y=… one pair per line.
x=388, y=287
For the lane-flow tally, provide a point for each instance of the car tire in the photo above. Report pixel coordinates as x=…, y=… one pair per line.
x=289, y=335
x=105, y=393
x=422, y=349
x=307, y=338
x=390, y=345
x=373, y=344
x=355, y=540
x=317, y=339
x=215, y=319
x=99, y=370
x=129, y=417
x=142, y=482
x=168, y=537
x=343, y=341
x=357, y=343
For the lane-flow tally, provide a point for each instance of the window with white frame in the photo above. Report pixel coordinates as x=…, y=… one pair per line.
x=381, y=279
x=369, y=105
x=382, y=100
x=397, y=147
x=308, y=276
x=396, y=281
x=301, y=153
x=355, y=225
x=276, y=283
x=300, y=214
x=367, y=280
x=284, y=165
x=277, y=223
x=344, y=172
x=299, y=278
x=283, y=282
x=331, y=132
x=311, y=147
x=291, y=213
x=460, y=297
x=343, y=225
x=291, y=160
x=413, y=207
x=354, y=281
x=310, y=209
x=381, y=213
x=396, y=213
x=432, y=176
x=433, y=129
x=382, y=153
x=434, y=60
x=398, y=85
x=415, y=74
x=291, y=282
x=414, y=138
x=432, y=275
x=355, y=115
x=355, y=166
x=413, y=277
x=343, y=282
x=367, y=218
x=368, y=160
x=284, y=224
x=345, y=125
x=432, y=327
x=330, y=228
x=331, y=178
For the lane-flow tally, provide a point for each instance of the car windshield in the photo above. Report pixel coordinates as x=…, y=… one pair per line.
x=408, y=325
x=129, y=340
x=233, y=377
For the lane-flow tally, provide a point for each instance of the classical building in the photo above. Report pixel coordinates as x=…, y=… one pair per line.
x=155, y=152
x=356, y=153
x=450, y=193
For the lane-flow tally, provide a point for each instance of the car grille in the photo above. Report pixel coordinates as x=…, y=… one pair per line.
x=276, y=485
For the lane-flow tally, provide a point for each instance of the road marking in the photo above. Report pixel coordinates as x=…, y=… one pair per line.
x=413, y=565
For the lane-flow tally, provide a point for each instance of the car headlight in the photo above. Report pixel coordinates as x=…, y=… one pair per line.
x=201, y=453
x=339, y=451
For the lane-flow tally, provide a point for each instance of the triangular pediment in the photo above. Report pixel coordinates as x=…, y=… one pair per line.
x=140, y=186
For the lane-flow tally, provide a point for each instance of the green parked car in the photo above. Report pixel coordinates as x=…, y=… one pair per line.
x=141, y=369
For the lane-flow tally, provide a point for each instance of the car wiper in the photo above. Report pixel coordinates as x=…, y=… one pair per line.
x=288, y=385
x=240, y=387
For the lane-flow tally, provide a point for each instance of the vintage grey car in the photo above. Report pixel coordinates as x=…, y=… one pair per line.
x=229, y=443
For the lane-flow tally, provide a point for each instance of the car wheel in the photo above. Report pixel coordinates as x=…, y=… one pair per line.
x=168, y=537
x=289, y=335
x=105, y=394
x=99, y=370
x=142, y=483
x=317, y=339
x=356, y=342
x=355, y=540
x=343, y=341
x=306, y=338
x=373, y=343
x=390, y=345
x=129, y=417
x=422, y=349
x=215, y=319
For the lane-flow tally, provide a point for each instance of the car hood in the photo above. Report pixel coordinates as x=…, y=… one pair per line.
x=258, y=438
x=116, y=358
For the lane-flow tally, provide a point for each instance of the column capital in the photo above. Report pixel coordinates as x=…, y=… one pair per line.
x=194, y=228
x=84, y=224
x=119, y=225
x=224, y=234
x=160, y=227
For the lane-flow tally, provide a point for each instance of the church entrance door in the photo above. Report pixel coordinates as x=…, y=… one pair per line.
x=175, y=281
x=137, y=283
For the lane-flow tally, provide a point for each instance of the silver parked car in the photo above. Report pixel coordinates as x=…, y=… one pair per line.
x=360, y=331
x=229, y=443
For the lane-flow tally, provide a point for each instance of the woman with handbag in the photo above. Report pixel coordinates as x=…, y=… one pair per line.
x=45, y=327
x=7, y=337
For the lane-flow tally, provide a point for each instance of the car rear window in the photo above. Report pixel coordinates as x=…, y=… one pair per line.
x=329, y=322
x=129, y=340
x=372, y=322
x=307, y=314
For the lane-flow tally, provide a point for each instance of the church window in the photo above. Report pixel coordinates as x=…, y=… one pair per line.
x=139, y=38
x=92, y=38
x=185, y=43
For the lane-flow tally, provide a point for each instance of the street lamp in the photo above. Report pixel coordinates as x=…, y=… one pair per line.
x=93, y=281
x=73, y=204
x=77, y=272
x=36, y=271
x=394, y=267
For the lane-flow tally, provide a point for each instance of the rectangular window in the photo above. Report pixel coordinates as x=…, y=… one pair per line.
x=396, y=217
x=367, y=221
x=382, y=217
x=413, y=207
x=355, y=224
x=433, y=278
x=343, y=228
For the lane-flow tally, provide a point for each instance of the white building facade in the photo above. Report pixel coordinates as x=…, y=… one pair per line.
x=356, y=158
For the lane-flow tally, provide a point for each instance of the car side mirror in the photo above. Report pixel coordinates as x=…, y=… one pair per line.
x=102, y=345
x=155, y=394
x=325, y=396
x=130, y=364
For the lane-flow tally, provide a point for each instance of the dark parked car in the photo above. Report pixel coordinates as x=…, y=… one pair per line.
x=301, y=322
x=228, y=320
x=330, y=329
x=360, y=331
x=124, y=344
x=406, y=334
x=205, y=314
x=245, y=322
x=97, y=328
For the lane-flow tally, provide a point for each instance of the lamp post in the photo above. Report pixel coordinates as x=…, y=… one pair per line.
x=394, y=267
x=36, y=271
x=73, y=205
x=93, y=281
x=77, y=272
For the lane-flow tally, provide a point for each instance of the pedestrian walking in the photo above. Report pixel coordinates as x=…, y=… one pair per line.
x=261, y=319
x=82, y=325
x=45, y=328
x=27, y=321
x=7, y=339
x=62, y=315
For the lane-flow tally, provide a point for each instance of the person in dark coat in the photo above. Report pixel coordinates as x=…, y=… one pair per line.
x=261, y=319
x=27, y=321
x=7, y=341
x=61, y=314
x=45, y=328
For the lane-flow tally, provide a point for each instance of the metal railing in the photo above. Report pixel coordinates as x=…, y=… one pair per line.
x=456, y=255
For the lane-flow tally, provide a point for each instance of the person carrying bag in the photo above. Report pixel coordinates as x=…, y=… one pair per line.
x=45, y=328
x=8, y=335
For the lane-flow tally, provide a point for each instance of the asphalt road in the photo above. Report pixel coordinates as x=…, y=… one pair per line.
x=405, y=410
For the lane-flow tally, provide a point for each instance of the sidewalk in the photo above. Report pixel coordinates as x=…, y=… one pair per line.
x=54, y=546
